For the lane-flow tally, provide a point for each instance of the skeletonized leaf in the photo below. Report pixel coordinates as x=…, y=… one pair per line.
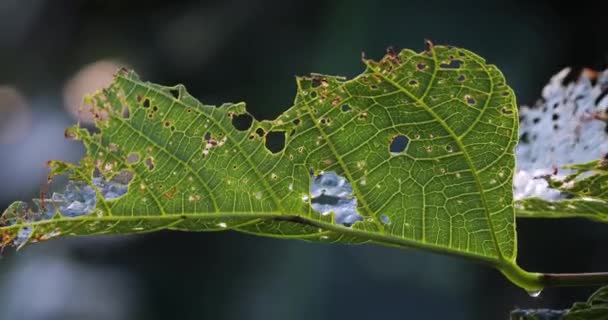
x=560, y=136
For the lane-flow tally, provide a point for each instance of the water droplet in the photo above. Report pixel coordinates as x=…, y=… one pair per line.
x=222, y=225
x=535, y=293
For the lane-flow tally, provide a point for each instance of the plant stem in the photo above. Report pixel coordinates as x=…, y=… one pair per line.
x=533, y=282
x=574, y=279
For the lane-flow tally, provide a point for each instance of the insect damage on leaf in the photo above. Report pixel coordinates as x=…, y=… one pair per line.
x=566, y=126
x=417, y=151
x=79, y=198
x=330, y=193
x=561, y=139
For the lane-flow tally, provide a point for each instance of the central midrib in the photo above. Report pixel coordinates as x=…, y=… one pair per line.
x=174, y=219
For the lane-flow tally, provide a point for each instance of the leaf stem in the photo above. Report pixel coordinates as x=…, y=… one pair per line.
x=533, y=282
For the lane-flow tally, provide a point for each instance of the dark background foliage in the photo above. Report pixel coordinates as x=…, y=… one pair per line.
x=250, y=50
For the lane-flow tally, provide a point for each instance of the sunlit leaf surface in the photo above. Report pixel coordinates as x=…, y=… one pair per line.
x=416, y=151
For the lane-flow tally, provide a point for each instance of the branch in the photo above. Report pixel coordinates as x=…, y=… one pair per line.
x=574, y=279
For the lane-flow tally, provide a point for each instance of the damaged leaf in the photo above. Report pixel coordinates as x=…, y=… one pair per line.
x=595, y=308
x=417, y=151
x=584, y=192
x=561, y=137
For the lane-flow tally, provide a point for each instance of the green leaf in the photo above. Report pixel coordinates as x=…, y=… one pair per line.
x=596, y=307
x=587, y=195
x=419, y=146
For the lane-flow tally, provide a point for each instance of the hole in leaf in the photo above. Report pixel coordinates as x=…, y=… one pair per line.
x=316, y=82
x=116, y=187
x=313, y=94
x=453, y=64
x=132, y=158
x=509, y=111
x=420, y=66
x=461, y=78
x=524, y=138
x=260, y=132
x=174, y=93
x=80, y=198
x=385, y=219
x=242, y=122
x=346, y=108
x=469, y=99
x=146, y=103
x=296, y=122
x=149, y=162
x=275, y=141
x=126, y=114
x=449, y=148
x=398, y=144
x=331, y=193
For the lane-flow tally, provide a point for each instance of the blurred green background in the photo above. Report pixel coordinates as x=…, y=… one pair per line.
x=53, y=52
